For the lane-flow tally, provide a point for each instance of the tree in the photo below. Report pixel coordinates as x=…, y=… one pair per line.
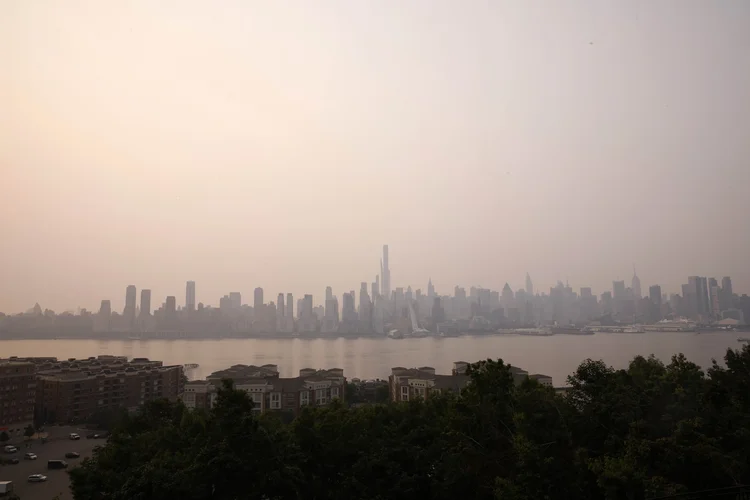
x=29, y=431
x=4, y=437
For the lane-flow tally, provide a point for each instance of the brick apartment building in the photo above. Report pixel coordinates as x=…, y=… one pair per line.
x=73, y=390
x=17, y=396
x=268, y=390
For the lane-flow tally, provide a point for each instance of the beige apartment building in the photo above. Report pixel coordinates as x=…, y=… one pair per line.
x=268, y=390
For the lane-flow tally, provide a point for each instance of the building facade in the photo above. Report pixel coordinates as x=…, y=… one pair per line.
x=269, y=391
x=17, y=396
x=72, y=391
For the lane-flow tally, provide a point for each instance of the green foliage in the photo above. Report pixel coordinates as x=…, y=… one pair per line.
x=649, y=430
x=29, y=431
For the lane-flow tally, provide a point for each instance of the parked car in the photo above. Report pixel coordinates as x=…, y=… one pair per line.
x=37, y=478
x=74, y=436
x=30, y=456
x=10, y=449
x=72, y=454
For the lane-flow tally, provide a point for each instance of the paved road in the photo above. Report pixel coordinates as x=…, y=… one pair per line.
x=57, y=480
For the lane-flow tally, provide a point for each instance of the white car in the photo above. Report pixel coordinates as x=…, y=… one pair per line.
x=37, y=478
x=30, y=456
x=10, y=449
x=74, y=436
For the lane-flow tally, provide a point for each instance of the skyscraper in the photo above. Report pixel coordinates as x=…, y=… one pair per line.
x=635, y=285
x=726, y=295
x=145, y=302
x=654, y=294
x=289, y=305
x=129, y=311
x=235, y=300
x=529, y=285
x=698, y=290
x=190, y=296
x=430, y=289
x=329, y=293
x=280, y=306
x=258, y=299
x=171, y=306
x=105, y=309
x=385, y=272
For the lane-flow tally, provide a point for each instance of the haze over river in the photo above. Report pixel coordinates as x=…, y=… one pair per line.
x=557, y=356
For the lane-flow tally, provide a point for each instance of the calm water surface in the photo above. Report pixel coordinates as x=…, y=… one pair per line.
x=556, y=356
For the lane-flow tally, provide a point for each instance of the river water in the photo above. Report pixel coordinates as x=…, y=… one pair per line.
x=556, y=356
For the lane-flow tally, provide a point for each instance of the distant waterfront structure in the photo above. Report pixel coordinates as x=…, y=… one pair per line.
x=145, y=302
x=190, y=296
x=280, y=305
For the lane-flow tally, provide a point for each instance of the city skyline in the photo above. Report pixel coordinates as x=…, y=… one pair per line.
x=382, y=283
x=280, y=145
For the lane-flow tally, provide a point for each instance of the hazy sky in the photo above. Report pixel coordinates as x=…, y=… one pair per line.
x=281, y=143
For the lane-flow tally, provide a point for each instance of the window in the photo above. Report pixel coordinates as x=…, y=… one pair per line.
x=334, y=392
x=304, y=398
x=405, y=393
x=275, y=401
x=320, y=397
x=258, y=400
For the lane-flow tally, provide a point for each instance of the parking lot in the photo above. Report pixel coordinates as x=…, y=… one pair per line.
x=54, y=449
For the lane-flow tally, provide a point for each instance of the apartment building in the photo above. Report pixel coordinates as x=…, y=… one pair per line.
x=410, y=383
x=268, y=390
x=73, y=390
x=17, y=396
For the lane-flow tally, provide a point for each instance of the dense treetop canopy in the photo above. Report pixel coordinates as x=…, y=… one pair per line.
x=650, y=430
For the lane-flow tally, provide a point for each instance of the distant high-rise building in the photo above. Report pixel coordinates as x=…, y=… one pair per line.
x=258, y=299
x=280, y=306
x=190, y=296
x=377, y=287
x=171, y=306
x=348, y=312
x=618, y=290
x=235, y=300
x=726, y=285
x=654, y=294
x=529, y=285
x=715, y=305
x=129, y=311
x=145, y=302
x=430, y=288
x=105, y=309
x=385, y=272
x=699, y=300
x=586, y=292
x=726, y=296
x=289, y=305
x=306, y=311
x=635, y=285
x=374, y=291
